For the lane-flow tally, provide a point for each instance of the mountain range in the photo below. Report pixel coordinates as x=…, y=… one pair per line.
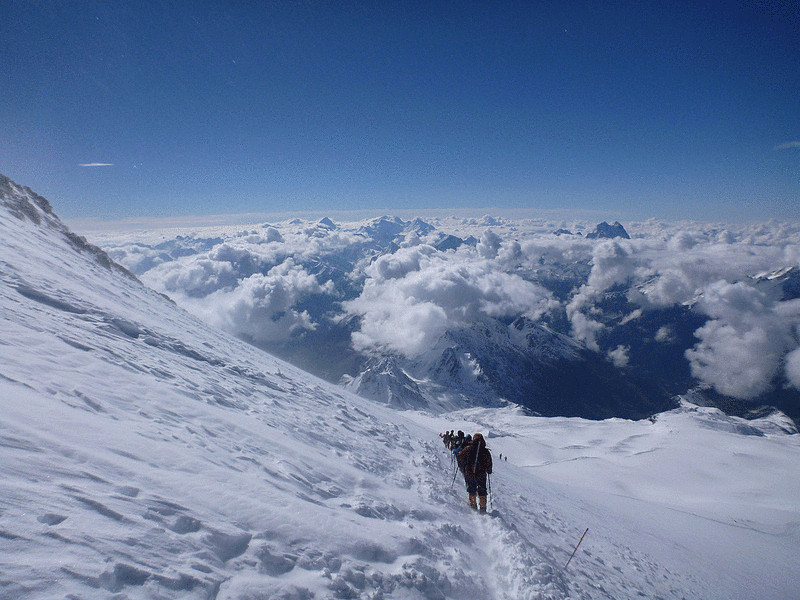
x=633, y=359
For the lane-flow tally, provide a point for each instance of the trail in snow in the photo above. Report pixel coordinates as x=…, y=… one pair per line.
x=522, y=548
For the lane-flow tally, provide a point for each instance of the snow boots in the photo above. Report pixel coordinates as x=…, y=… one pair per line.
x=473, y=502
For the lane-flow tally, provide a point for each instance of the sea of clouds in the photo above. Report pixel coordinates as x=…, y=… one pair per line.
x=399, y=288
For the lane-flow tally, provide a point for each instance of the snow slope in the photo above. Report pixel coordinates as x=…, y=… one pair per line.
x=706, y=493
x=144, y=454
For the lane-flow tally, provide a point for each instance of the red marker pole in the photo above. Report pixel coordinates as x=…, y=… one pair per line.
x=576, y=547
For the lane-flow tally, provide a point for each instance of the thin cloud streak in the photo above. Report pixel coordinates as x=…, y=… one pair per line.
x=787, y=146
x=96, y=164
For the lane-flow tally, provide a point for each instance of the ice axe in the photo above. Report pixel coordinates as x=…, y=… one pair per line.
x=576, y=547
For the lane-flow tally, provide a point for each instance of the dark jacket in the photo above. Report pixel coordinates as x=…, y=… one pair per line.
x=474, y=459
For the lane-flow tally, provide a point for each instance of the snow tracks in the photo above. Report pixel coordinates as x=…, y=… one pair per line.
x=495, y=558
x=518, y=550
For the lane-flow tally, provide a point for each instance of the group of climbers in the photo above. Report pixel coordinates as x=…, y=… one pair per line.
x=452, y=440
x=474, y=461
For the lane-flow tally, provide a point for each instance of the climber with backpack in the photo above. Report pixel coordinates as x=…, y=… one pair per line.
x=475, y=462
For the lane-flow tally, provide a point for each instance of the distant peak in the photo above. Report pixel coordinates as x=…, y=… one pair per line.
x=327, y=223
x=606, y=231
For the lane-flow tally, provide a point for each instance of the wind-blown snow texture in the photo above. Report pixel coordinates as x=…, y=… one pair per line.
x=146, y=454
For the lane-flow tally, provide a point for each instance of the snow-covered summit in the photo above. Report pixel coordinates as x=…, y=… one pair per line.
x=383, y=380
x=328, y=223
x=786, y=280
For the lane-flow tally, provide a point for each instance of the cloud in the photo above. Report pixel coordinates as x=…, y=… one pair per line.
x=787, y=145
x=673, y=286
x=585, y=329
x=737, y=361
x=261, y=307
x=96, y=164
x=412, y=297
x=137, y=258
x=712, y=269
x=793, y=368
x=619, y=356
x=257, y=281
x=245, y=284
x=677, y=272
x=195, y=277
x=682, y=241
x=400, y=264
x=612, y=264
x=740, y=348
x=489, y=245
x=273, y=235
x=664, y=334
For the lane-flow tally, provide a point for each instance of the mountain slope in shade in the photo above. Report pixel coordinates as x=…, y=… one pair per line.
x=384, y=381
x=490, y=362
x=144, y=454
x=604, y=230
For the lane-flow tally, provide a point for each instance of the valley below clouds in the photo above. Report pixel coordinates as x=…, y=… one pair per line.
x=456, y=312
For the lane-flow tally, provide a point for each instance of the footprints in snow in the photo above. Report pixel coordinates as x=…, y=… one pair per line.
x=147, y=524
x=51, y=519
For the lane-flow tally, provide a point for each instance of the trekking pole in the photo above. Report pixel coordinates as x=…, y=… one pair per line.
x=576, y=547
x=491, y=496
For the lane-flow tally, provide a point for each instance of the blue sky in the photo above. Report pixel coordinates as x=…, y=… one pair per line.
x=641, y=109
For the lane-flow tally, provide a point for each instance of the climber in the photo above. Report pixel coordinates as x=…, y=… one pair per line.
x=475, y=462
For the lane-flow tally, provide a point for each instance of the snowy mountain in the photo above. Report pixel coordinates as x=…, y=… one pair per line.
x=546, y=372
x=346, y=262
x=383, y=380
x=677, y=309
x=146, y=454
x=785, y=282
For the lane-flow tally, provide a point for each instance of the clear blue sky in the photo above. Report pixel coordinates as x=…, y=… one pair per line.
x=666, y=109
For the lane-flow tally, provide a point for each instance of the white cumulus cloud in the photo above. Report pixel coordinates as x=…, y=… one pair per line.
x=412, y=297
x=406, y=298
x=261, y=307
x=619, y=356
x=741, y=347
x=793, y=368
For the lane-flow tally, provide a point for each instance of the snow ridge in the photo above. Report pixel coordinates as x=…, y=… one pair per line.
x=23, y=203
